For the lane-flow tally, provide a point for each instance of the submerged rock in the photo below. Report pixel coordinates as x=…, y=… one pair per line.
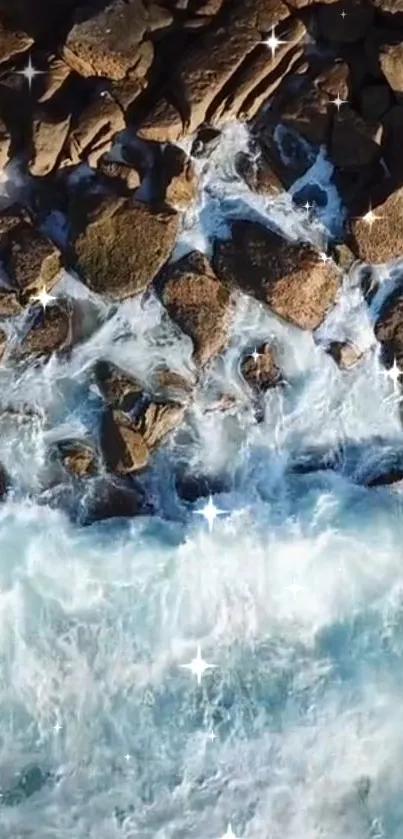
x=123, y=448
x=79, y=459
x=291, y=278
x=109, y=499
x=119, y=390
x=261, y=371
x=345, y=354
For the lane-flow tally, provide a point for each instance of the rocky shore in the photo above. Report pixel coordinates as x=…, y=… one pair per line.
x=107, y=110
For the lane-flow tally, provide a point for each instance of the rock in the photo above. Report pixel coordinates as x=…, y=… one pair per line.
x=205, y=141
x=158, y=17
x=79, y=459
x=48, y=139
x=157, y=420
x=289, y=277
x=3, y=344
x=10, y=305
x=343, y=256
x=349, y=29
x=124, y=246
x=308, y=113
x=30, y=258
x=173, y=386
x=4, y=483
x=258, y=174
x=345, y=355
x=5, y=144
x=57, y=73
x=93, y=130
x=199, y=303
x=389, y=330
x=179, y=178
x=123, y=448
x=50, y=330
x=13, y=42
x=120, y=391
x=261, y=373
x=120, y=173
x=335, y=81
x=105, y=43
x=393, y=143
x=389, y=6
x=109, y=499
x=381, y=240
x=375, y=101
x=163, y=124
x=391, y=61
x=354, y=143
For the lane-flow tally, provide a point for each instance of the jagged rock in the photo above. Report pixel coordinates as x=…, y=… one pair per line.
x=93, y=130
x=79, y=459
x=354, y=143
x=173, y=386
x=30, y=259
x=10, y=305
x=349, y=29
x=158, y=17
x=5, y=144
x=261, y=373
x=48, y=139
x=345, y=355
x=13, y=42
x=120, y=173
x=343, y=256
x=389, y=6
x=4, y=483
x=179, y=178
x=375, y=101
x=119, y=390
x=391, y=61
x=258, y=174
x=335, y=80
x=50, y=331
x=57, y=73
x=105, y=43
x=123, y=448
x=292, y=62
x=108, y=499
x=156, y=420
x=382, y=240
x=3, y=342
x=206, y=140
x=289, y=277
x=389, y=330
x=124, y=246
x=163, y=124
x=308, y=113
x=199, y=303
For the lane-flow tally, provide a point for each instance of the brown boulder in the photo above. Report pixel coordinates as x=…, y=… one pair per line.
x=391, y=61
x=179, y=178
x=349, y=29
x=120, y=391
x=199, y=303
x=48, y=138
x=157, y=420
x=381, y=240
x=389, y=330
x=308, y=112
x=123, y=448
x=30, y=259
x=3, y=342
x=124, y=246
x=50, y=331
x=163, y=124
x=105, y=43
x=354, y=143
x=261, y=372
x=289, y=277
x=5, y=144
x=390, y=7
x=335, y=80
x=57, y=73
x=13, y=42
x=120, y=173
x=93, y=130
x=345, y=355
x=79, y=459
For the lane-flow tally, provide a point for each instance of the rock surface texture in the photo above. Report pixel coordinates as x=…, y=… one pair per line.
x=104, y=150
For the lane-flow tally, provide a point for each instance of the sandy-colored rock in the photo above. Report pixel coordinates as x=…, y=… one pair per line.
x=30, y=259
x=335, y=80
x=79, y=459
x=57, y=73
x=389, y=330
x=391, y=61
x=163, y=124
x=289, y=277
x=105, y=44
x=349, y=29
x=120, y=173
x=3, y=344
x=382, y=240
x=13, y=42
x=48, y=139
x=93, y=130
x=123, y=448
x=124, y=246
x=199, y=303
x=120, y=391
x=5, y=144
x=346, y=355
x=261, y=372
x=179, y=178
x=157, y=420
x=50, y=331
x=354, y=143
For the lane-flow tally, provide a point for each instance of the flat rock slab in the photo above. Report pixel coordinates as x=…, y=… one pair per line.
x=382, y=240
x=199, y=303
x=124, y=247
x=289, y=277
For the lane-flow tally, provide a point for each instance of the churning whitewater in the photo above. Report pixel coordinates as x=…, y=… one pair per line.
x=295, y=595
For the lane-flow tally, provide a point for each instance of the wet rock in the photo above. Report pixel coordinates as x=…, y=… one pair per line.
x=192, y=487
x=30, y=781
x=391, y=61
x=349, y=29
x=119, y=390
x=93, y=130
x=163, y=124
x=179, y=178
x=345, y=354
x=382, y=240
x=343, y=256
x=105, y=43
x=120, y=173
x=4, y=483
x=375, y=101
x=389, y=330
x=261, y=372
x=308, y=113
x=172, y=385
x=206, y=140
x=199, y=303
x=354, y=143
x=109, y=499
x=258, y=174
x=50, y=331
x=30, y=258
x=13, y=42
x=289, y=277
x=156, y=420
x=48, y=138
x=3, y=342
x=389, y=6
x=124, y=246
x=79, y=459
x=123, y=448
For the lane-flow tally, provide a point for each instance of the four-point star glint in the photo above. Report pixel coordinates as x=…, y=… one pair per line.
x=210, y=512
x=43, y=298
x=338, y=102
x=30, y=72
x=273, y=43
x=229, y=833
x=394, y=373
x=370, y=218
x=198, y=666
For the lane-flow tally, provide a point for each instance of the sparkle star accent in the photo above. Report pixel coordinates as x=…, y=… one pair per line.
x=43, y=298
x=294, y=588
x=210, y=513
x=324, y=257
x=343, y=14
x=273, y=43
x=30, y=72
x=255, y=355
x=370, y=218
x=57, y=727
x=229, y=833
x=307, y=206
x=394, y=373
x=198, y=666
x=338, y=102
x=127, y=757
x=211, y=736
